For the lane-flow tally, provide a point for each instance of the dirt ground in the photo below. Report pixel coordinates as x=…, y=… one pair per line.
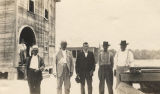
x=48, y=86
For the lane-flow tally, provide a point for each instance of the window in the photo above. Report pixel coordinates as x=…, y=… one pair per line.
x=46, y=13
x=31, y=6
x=46, y=9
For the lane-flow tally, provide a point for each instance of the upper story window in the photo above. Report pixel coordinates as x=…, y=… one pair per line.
x=46, y=9
x=46, y=13
x=31, y=5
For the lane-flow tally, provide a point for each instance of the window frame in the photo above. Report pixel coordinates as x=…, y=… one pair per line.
x=46, y=8
x=33, y=6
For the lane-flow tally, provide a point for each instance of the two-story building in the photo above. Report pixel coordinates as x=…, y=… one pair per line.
x=30, y=20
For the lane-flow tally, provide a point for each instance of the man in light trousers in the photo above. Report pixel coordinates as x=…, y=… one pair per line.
x=63, y=68
x=122, y=60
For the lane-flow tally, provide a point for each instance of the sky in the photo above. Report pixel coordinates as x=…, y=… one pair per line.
x=95, y=21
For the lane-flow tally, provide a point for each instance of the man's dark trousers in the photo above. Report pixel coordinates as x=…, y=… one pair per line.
x=85, y=67
x=34, y=81
x=105, y=73
x=88, y=78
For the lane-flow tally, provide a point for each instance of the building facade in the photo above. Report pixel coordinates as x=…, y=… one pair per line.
x=30, y=20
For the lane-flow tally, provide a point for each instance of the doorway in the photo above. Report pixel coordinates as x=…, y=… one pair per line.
x=28, y=37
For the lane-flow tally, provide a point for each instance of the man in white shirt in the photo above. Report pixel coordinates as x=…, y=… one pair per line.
x=63, y=68
x=34, y=62
x=35, y=66
x=122, y=60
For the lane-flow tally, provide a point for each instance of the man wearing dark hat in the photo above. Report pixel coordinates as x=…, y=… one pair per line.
x=85, y=66
x=35, y=66
x=122, y=60
x=105, y=72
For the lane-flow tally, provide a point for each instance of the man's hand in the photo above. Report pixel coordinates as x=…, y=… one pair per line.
x=78, y=74
x=91, y=73
x=54, y=74
x=41, y=68
x=36, y=70
x=71, y=73
x=77, y=79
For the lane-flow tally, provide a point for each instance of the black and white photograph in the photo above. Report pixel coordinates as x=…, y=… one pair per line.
x=79, y=47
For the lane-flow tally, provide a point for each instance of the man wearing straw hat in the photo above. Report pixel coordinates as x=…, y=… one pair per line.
x=105, y=72
x=122, y=60
x=35, y=66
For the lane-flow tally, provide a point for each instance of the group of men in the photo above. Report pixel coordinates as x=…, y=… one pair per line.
x=85, y=67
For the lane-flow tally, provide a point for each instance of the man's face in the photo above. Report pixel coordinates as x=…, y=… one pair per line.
x=123, y=47
x=85, y=47
x=105, y=47
x=35, y=52
x=64, y=46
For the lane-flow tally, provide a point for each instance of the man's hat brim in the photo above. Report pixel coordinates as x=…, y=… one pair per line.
x=124, y=44
x=106, y=43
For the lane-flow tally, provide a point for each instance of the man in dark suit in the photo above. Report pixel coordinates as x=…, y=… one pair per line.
x=85, y=66
x=35, y=65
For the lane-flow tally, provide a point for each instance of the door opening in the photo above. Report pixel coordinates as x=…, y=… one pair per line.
x=28, y=37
